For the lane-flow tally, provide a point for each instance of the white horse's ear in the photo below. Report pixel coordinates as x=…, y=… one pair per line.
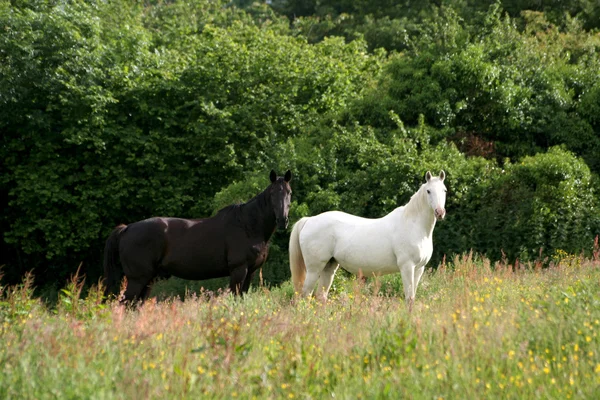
x=442, y=175
x=273, y=175
x=427, y=176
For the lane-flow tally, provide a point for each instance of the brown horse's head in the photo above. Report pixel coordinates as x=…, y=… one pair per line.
x=280, y=195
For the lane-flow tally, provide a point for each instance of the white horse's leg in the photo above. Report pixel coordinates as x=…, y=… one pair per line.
x=408, y=275
x=418, y=274
x=326, y=280
x=309, y=283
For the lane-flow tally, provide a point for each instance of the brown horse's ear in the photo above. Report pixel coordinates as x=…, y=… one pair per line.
x=442, y=175
x=273, y=175
x=427, y=176
x=288, y=176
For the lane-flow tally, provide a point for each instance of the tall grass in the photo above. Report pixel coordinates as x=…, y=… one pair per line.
x=477, y=331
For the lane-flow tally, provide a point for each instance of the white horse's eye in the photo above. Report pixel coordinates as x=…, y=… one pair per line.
x=428, y=192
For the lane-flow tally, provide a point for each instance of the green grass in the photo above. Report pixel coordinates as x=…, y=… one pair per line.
x=476, y=331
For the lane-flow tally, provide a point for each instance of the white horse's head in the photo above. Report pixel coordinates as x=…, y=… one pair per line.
x=436, y=194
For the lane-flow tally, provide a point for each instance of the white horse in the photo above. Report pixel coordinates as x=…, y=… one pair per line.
x=398, y=242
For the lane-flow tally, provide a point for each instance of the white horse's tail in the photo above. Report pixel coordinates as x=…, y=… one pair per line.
x=297, y=266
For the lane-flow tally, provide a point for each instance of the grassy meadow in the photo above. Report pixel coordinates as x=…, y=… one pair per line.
x=476, y=331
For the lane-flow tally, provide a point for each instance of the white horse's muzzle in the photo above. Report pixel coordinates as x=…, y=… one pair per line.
x=440, y=214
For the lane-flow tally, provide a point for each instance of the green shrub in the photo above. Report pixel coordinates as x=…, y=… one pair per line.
x=542, y=204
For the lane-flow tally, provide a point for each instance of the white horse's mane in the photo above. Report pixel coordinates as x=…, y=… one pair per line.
x=416, y=203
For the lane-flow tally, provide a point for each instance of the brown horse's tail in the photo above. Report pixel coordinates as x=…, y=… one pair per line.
x=297, y=266
x=112, y=272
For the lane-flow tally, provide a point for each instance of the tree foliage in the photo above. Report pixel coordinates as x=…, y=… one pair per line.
x=112, y=112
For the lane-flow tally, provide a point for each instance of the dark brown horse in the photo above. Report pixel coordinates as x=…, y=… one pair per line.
x=232, y=243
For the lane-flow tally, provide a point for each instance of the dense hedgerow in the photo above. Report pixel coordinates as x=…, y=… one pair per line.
x=114, y=112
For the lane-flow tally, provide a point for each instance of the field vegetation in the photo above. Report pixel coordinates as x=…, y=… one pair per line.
x=478, y=329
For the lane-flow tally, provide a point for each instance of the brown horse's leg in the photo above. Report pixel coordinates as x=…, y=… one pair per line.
x=236, y=280
x=146, y=291
x=135, y=290
x=246, y=284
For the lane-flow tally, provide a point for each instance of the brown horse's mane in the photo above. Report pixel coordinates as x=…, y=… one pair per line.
x=246, y=214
